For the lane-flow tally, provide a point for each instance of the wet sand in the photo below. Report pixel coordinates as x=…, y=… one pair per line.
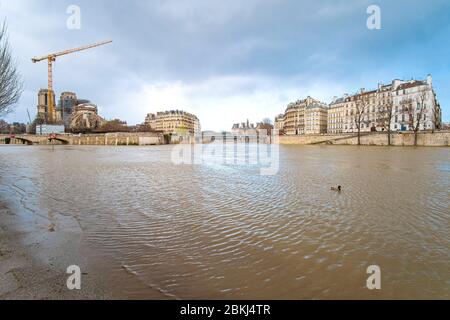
x=34, y=258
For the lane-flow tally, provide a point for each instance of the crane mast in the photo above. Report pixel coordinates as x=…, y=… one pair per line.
x=51, y=114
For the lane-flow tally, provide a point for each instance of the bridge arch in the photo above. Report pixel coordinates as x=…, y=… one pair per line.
x=63, y=141
x=8, y=140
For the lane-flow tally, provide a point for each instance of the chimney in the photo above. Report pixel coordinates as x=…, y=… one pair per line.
x=395, y=84
x=362, y=90
x=308, y=101
x=430, y=80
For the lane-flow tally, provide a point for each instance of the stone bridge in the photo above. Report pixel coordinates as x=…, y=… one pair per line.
x=110, y=139
x=29, y=139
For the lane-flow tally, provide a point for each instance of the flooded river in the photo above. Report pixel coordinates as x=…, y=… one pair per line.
x=212, y=230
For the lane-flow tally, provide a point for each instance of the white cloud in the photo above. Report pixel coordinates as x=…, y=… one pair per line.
x=205, y=12
x=221, y=101
x=223, y=60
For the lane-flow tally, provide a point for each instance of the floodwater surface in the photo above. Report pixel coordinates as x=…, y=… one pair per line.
x=216, y=230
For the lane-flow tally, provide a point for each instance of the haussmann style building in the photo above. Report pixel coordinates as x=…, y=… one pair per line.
x=316, y=118
x=174, y=122
x=406, y=103
x=302, y=117
x=279, y=122
x=400, y=106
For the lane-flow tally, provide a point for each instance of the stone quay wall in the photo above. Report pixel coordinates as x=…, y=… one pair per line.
x=437, y=139
x=108, y=139
x=428, y=139
x=118, y=139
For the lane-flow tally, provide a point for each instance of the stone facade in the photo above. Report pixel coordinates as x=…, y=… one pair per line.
x=85, y=116
x=415, y=103
x=294, y=116
x=175, y=122
x=425, y=139
x=335, y=116
x=243, y=128
x=409, y=103
x=66, y=105
x=398, y=106
x=43, y=105
x=316, y=118
x=279, y=122
x=70, y=111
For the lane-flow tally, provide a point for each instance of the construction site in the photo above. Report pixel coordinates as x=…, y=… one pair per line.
x=71, y=113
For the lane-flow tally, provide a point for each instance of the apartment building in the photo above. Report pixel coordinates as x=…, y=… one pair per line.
x=335, y=116
x=398, y=106
x=279, y=122
x=362, y=109
x=415, y=103
x=174, y=122
x=316, y=118
x=294, y=116
x=408, y=103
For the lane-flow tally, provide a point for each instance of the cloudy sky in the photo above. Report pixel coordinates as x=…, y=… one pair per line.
x=226, y=61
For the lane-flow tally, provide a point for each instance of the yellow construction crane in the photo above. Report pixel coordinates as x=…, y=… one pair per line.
x=52, y=58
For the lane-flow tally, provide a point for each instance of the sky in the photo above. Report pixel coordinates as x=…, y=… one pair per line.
x=225, y=61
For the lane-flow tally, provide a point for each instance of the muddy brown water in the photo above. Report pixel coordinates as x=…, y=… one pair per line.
x=221, y=230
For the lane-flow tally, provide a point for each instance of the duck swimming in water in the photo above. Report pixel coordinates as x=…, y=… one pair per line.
x=339, y=188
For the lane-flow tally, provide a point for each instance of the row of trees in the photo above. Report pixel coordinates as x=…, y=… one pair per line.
x=115, y=125
x=13, y=128
x=412, y=110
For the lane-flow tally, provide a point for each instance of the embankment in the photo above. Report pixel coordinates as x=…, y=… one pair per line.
x=108, y=139
x=427, y=139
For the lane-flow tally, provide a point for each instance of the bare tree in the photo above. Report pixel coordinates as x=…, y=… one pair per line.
x=4, y=126
x=10, y=82
x=415, y=110
x=115, y=125
x=407, y=114
x=421, y=109
x=361, y=105
x=265, y=127
x=437, y=116
x=384, y=118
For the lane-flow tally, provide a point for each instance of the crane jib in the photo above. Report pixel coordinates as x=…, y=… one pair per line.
x=57, y=54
